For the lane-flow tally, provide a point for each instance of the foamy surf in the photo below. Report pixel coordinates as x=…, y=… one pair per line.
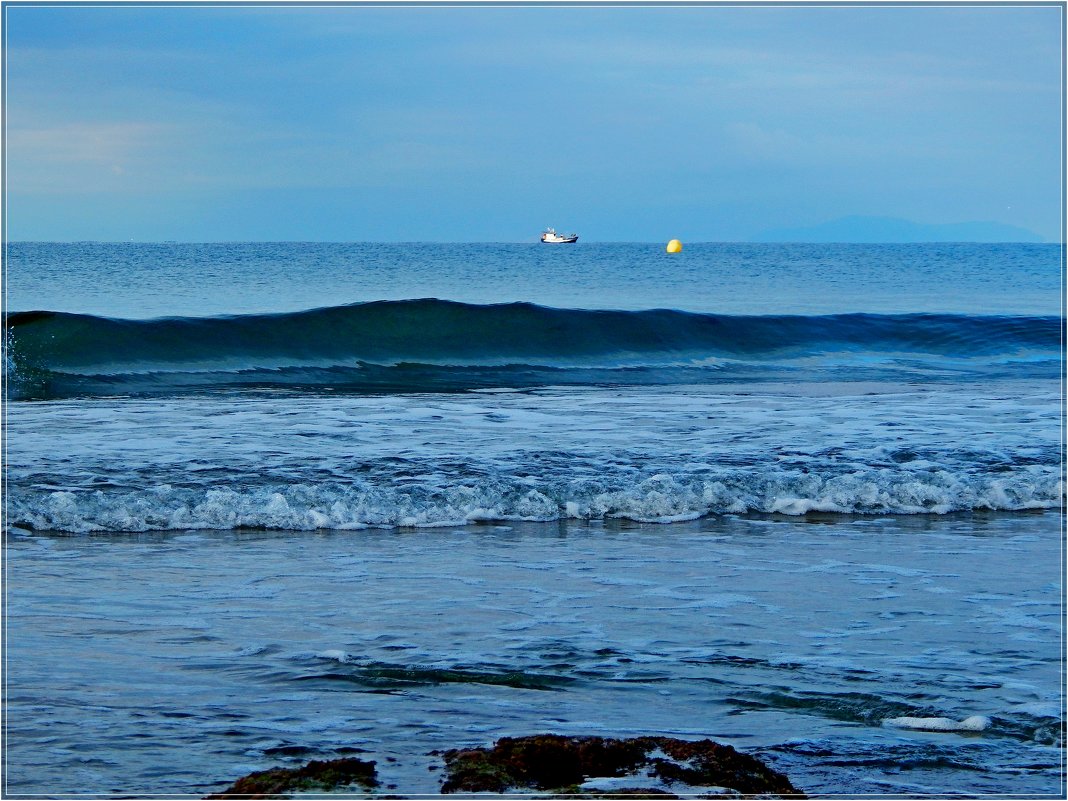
x=658, y=499
x=422, y=461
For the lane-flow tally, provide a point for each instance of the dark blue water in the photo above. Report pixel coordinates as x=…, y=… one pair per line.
x=435, y=345
x=794, y=497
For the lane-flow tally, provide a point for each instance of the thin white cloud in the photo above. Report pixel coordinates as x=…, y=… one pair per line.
x=79, y=156
x=677, y=69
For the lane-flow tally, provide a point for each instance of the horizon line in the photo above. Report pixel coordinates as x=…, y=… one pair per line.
x=517, y=242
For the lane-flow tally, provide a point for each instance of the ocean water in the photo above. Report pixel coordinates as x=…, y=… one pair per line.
x=268, y=501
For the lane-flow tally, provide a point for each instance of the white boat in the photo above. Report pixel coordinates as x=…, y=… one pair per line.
x=549, y=236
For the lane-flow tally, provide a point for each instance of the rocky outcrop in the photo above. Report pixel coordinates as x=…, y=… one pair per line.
x=558, y=763
x=315, y=776
x=569, y=767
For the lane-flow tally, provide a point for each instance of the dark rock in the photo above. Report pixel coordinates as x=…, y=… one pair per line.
x=316, y=775
x=707, y=762
x=555, y=762
x=628, y=792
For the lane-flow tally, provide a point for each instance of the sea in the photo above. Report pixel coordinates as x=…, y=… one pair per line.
x=273, y=502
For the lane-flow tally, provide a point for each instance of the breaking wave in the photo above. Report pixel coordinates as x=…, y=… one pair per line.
x=661, y=498
x=442, y=345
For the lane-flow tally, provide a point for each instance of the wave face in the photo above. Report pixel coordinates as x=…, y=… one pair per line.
x=441, y=345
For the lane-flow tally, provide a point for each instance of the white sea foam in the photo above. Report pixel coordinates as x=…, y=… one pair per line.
x=973, y=723
x=333, y=654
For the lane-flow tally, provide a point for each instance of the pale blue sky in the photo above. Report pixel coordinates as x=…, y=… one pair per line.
x=486, y=124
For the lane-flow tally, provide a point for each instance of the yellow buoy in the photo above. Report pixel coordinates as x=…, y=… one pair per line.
x=674, y=246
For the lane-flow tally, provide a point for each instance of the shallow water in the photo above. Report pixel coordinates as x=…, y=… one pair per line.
x=172, y=664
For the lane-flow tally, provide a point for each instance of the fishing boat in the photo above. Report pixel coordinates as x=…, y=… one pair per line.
x=550, y=237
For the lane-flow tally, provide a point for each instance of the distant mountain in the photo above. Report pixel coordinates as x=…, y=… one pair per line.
x=892, y=229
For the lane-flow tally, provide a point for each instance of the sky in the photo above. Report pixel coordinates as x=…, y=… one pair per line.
x=449, y=123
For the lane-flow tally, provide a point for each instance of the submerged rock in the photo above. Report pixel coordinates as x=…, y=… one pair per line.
x=655, y=764
x=315, y=776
